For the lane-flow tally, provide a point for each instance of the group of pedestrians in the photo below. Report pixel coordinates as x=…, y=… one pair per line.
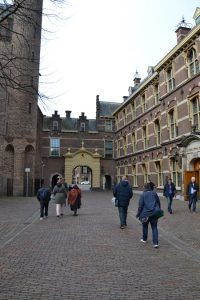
x=149, y=207
x=61, y=194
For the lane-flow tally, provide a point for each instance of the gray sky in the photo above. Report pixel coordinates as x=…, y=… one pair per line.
x=98, y=45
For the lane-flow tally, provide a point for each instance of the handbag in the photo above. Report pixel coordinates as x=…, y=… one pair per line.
x=115, y=201
x=159, y=213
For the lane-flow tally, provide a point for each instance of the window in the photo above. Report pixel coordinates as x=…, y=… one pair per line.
x=134, y=175
x=133, y=142
x=195, y=112
x=55, y=147
x=193, y=62
x=144, y=134
x=170, y=80
x=118, y=148
x=82, y=127
x=133, y=110
x=143, y=103
x=55, y=125
x=108, y=149
x=157, y=132
x=124, y=145
x=173, y=130
x=108, y=125
x=156, y=93
x=175, y=172
x=159, y=173
x=124, y=116
x=145, y=173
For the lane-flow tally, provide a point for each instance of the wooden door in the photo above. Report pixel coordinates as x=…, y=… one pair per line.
x=187, y=179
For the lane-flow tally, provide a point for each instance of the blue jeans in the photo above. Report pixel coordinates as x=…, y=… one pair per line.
x=123, y=214
x=169, y=202
x=153, y=221
x=192, y=202
x=44, y=208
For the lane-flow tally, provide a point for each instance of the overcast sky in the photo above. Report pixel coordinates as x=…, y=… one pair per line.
x=97, y=46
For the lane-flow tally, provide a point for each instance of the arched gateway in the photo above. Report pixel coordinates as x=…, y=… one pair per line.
x=82, y=157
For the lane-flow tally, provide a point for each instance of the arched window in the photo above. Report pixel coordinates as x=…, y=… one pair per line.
x=193, y=62
x=195, y=113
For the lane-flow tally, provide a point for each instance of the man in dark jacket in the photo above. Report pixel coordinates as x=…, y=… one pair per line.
x=44, y=196
x=192, y=190
x=123, y=192
x=149, y=202
x=169, y=192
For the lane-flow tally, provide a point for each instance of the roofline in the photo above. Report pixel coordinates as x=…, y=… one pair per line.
x=178, y=46
x=193, y=31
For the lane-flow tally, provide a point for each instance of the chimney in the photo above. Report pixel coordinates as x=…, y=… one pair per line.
x=68, y=114
x=136, y=78
x=182, y=30
x=125, y=98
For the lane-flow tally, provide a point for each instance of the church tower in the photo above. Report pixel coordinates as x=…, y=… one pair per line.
x=19, y=97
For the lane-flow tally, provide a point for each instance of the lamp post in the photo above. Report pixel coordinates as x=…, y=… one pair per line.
x=27, y=170
x=42, y=173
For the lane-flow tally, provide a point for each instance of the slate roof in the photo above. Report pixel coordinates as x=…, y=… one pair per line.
x=104, y=109
x=107, y=108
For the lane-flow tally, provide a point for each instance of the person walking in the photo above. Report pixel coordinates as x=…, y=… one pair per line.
x=192, y=190
x=44, y=196
x=74, y=198
x=149, y=203
x=169, y=192
x=123, y=193
x=60, y=195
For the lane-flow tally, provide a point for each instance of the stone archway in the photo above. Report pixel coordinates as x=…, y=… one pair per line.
x=83, y=158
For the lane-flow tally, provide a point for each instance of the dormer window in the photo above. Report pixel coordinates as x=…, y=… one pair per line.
x=108, y=125
x=55, y=125
x=82, y=127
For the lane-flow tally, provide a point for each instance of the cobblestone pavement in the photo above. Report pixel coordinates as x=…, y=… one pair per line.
x=90, y=257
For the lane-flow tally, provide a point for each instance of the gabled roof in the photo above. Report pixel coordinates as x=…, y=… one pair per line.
x=107, y=108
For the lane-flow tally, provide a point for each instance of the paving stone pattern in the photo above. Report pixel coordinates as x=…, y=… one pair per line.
x=90, y=257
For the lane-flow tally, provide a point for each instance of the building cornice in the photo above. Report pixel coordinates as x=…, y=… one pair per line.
x=184, y=43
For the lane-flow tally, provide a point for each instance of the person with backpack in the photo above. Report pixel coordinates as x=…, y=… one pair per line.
x=44, y=196
x=74, y=198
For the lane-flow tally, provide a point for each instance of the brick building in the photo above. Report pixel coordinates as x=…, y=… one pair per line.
x=158, y=125
x=79, y=149
x=156, y=128
x=33, y=147
x=20, y=36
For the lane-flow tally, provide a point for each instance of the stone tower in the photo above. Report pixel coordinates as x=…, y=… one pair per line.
x=18, y=98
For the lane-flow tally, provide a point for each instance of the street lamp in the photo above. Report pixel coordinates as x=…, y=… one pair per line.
x=42, y=174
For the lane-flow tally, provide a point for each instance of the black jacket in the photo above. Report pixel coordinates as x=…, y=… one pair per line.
x=123, y=192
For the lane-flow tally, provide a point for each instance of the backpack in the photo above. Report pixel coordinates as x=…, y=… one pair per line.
x=44, y=194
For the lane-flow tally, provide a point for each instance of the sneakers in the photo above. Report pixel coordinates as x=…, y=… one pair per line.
x=155, y=246
x=41, y=218
x=122, y=227
x=143, y=241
